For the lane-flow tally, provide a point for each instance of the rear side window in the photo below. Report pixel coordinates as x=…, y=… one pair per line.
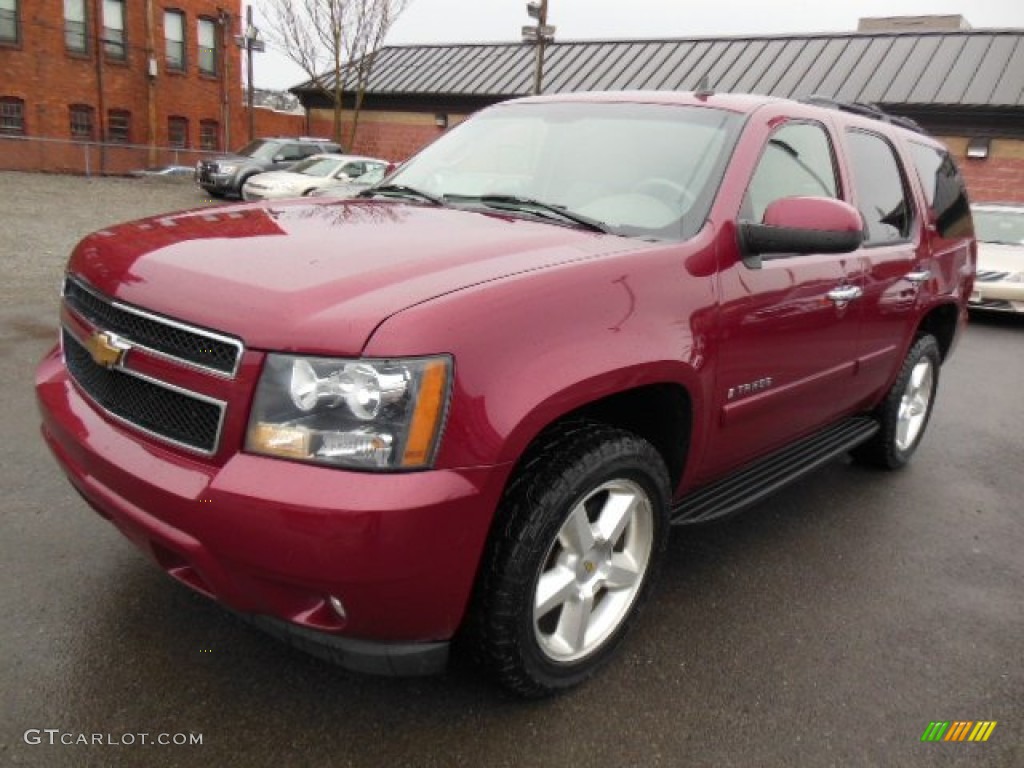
x=797, y=162
x=881, y=193
x=944, y=190
x=292, y=152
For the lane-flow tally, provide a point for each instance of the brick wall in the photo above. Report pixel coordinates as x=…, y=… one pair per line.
x=394, y=136
x=49, y=78
x=999, y=177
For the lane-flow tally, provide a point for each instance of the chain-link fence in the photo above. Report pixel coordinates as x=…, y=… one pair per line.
x=33, y=153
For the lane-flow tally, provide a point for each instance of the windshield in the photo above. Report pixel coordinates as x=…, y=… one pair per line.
x=1006, y=227
x=373, y=175
x=261, y=149
x=645, y=170
x=316, y=166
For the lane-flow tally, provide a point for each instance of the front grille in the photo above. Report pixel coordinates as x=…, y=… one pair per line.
x=990, y=276
x=206, y=168
x=168, y=337
x=169, y=414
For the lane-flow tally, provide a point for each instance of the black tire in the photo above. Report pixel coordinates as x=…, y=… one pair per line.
x=237, y=191
x=579, y=461
x=891, y=448
x=213, y=192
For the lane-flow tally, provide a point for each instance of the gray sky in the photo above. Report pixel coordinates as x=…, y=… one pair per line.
x=461, y=21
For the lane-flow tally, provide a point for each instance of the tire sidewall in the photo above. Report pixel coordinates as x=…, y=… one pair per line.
x=533, y=550
x=924, y=348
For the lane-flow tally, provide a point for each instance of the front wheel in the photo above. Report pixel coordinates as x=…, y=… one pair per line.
x=581, y=531
x=904, y=414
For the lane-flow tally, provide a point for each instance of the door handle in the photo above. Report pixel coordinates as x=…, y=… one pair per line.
x=919, y=276
x=844, y=294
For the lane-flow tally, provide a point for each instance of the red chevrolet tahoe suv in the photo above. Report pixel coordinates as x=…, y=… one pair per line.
x=472, y=403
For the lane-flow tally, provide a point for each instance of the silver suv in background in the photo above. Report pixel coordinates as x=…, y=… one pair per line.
x=226, y=174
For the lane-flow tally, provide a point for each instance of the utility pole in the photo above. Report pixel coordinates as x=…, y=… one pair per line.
x=151, y=73
x=252, y=43
x=101, y=113
x=540, y=35
x=224, y=19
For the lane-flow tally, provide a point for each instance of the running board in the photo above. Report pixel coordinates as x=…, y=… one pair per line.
x=756, y=481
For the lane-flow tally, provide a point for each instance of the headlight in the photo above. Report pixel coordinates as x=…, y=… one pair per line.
x=226, y=168
x=364, y=414
x=1014, y=277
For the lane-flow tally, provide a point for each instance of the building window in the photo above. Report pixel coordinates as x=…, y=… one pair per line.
x=113, y=29
x=119, y=124
x=12, y=116
x=82, y=122
x=177, y=132
x=76, y=38
x=208, y=46
x=174, y=35
x=9, y=21
x=209, y=135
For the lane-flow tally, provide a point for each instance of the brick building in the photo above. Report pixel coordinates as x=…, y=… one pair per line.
x=964, y=86
x=110, y=85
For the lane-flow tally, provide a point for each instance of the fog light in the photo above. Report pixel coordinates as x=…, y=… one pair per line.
x=337, y=606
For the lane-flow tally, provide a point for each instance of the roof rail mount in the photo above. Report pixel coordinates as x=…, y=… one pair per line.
x=866, y=110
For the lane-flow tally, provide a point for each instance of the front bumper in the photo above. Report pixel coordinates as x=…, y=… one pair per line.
x=998, y=296
x=278, y=539
x=217, y=182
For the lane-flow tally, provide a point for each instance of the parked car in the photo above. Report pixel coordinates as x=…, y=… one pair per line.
x=999, y=284
x=473, y=401
x=227, y=174
x=355, y=186
x=311, y=174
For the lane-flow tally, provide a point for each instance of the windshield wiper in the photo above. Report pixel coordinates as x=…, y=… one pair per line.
x=402, y=190
x=537, y=207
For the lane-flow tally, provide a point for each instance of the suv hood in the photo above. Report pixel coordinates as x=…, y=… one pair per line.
x=285, y=179
x=227, y=159
x=317, y=277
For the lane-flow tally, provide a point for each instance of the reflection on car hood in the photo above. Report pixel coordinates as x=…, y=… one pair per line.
x=320, y=274
x=996, y=257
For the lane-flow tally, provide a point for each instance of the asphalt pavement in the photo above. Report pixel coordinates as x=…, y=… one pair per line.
x=827, y=626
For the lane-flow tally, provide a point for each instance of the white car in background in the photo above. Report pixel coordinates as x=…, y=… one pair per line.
x=309, y=175
x=999, y=282
x=352, y=188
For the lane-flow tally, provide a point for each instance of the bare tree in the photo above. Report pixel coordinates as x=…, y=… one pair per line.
x=333, y=41
x=371, y=21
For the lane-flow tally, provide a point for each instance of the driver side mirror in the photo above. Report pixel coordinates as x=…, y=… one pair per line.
x=793, y=225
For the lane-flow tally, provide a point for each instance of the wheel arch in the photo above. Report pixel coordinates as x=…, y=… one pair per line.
x=941, y=322
x=661, y=412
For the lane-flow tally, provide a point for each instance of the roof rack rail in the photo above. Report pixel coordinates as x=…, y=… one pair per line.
x=866, y=110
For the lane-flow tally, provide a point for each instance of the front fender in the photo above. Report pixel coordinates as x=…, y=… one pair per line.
x=533, y=347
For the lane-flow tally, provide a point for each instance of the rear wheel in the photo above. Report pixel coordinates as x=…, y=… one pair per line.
x=904, y=414
x=583, y=527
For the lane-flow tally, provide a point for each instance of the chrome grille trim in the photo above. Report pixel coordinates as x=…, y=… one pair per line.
x=203, y=333
x=990, y=276
x=220, y=405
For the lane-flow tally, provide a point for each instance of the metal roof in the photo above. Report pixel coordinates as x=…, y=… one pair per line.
x=980, y=68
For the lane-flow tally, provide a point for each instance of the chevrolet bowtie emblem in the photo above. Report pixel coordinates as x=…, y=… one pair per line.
x=107, y=349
